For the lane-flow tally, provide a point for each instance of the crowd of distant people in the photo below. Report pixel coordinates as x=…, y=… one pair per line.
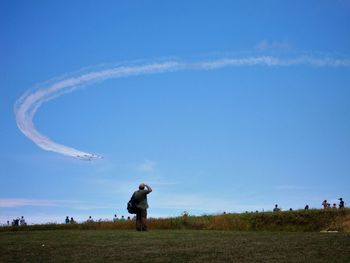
x=325, y=205
x=19, y=221
x=91, y=220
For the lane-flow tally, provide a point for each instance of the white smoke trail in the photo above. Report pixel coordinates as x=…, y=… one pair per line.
x=29, y=103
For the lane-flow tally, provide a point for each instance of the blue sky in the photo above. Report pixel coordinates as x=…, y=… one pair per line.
x=232, y=138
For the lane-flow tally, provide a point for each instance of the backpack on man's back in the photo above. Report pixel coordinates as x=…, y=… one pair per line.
x=131, y=206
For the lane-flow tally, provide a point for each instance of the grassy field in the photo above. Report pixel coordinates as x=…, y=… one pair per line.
x=172, y=246
x=290, y=221
x=290, y=236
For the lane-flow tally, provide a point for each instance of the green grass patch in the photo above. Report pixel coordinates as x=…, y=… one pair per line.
x=172, y=246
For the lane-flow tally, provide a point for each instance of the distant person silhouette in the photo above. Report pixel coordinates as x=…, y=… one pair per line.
x=15, y=222
x=72, y=220
x=325, y=204
x=90, y=220
x=276, y=209
x=141, y=203
x=67, y=220
x=115, y=218
x=341, y=203
x=22, y=221
x=334, y=206
x=306, y=207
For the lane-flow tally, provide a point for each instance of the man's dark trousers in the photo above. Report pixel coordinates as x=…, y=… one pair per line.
x=141, y=217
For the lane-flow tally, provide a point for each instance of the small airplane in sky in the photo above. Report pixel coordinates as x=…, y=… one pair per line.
x=89, y=157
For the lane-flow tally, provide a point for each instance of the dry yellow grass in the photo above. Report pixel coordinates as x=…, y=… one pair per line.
x=294, y=221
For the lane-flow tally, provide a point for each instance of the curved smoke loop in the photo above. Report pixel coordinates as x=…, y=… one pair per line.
x=29, y=103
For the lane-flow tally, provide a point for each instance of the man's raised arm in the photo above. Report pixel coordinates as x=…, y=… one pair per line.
x=149, y=189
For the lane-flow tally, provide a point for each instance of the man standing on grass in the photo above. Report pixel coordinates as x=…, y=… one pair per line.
x=141, y=204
